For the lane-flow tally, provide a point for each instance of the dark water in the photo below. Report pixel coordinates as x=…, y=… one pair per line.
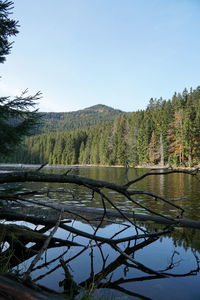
x=175, y=256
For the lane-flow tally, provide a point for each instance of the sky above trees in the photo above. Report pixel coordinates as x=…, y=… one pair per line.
x=118, y=53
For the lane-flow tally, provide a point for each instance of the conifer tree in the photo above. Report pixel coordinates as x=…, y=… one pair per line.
x=18, y=115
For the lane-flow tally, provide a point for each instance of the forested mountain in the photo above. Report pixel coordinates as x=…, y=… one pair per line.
x=168, y=131
x=59, y=121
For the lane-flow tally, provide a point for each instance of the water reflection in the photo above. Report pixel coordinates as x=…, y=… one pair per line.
x=168, y=265
x=170, y=186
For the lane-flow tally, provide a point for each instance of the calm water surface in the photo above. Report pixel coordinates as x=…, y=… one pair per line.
x=176, y=255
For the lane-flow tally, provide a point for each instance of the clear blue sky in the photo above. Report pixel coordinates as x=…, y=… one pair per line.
x=120, y=53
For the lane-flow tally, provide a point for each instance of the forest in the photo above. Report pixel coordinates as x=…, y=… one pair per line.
x=43, y=236
x=167, y=132
x=91, y=116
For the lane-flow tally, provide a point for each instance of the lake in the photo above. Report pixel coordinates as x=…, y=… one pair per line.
x=174, y=257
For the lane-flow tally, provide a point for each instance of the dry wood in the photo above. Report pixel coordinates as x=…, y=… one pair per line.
x=11, y=288
x=110, y=213
x=43, y=249
x=22, y=233
x=96, y=187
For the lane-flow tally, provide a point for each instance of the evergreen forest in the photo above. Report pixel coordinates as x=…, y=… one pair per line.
x=91, y=116
x=167, y=132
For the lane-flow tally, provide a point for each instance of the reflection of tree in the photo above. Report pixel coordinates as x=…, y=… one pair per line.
x=101, y=279
x=19, y=236
x=126, y=241
x=183, y=237
x=152, y=275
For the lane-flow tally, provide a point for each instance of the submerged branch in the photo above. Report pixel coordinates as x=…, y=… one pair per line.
x=43, y=249
x=139, y=236
x=95, y=186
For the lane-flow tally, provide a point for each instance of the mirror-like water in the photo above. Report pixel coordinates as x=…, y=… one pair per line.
x=174, y=258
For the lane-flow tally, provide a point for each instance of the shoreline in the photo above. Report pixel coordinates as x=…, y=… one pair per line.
x=9, y=165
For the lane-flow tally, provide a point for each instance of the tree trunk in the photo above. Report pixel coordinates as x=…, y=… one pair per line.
x=11, y=288
x=161, y=150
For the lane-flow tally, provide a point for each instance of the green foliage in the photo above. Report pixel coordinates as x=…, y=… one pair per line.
x=16, y=120
x=87, y=117
x=166, y=132
x=8, y=27
x=17, y=116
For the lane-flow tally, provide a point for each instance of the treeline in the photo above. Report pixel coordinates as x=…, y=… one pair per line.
x=167, y=132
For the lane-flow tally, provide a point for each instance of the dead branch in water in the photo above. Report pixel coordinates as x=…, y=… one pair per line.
x=97, y=187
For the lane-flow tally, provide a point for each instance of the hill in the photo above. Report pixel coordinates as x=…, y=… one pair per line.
x=167, y=132
x=59, y=121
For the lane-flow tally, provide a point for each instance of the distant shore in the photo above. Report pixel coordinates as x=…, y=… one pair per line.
x=35, y=166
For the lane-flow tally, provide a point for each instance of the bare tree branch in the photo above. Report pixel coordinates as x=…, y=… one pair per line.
x=44, y=248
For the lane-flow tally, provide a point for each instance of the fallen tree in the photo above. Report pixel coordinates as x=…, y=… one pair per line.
x=97, y=186
x=18, y=237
